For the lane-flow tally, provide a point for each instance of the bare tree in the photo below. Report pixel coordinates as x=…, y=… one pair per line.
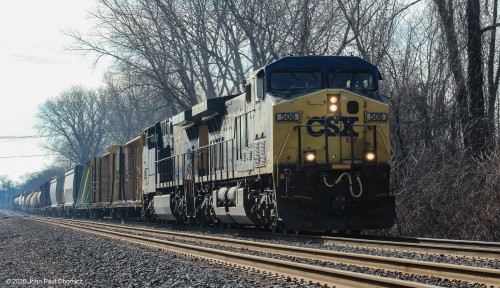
x=143, y=42
x=492, y=63
x=75, y=123
x=417, y=86
x=6, y=190
x=470, y=84
x=32, y=181
x=131, y=107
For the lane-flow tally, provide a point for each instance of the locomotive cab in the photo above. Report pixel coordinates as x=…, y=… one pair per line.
x=331, y=144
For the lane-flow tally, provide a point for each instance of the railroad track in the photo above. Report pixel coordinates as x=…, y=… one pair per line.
x=6, y=213
x=456, y=248
x=440, y=247
x=452, y=248
x=319, y=273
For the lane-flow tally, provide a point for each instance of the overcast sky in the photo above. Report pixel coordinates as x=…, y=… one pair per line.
x=34, y=66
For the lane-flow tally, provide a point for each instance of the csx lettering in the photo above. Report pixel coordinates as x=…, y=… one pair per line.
x=332, y=126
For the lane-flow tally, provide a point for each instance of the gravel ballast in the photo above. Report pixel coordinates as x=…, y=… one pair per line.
x=41, y=255
x=464, y=261
x=435, y=281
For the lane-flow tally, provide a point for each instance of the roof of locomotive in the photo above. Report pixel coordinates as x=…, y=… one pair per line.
x=324, y=65
x=321, y=63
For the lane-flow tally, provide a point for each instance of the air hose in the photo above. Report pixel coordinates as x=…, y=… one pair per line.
x=350, y=184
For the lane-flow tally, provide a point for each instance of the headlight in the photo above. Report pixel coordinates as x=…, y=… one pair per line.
x=370, y=156
x=333, y=103
x=333, y=99
x=333, y=108
x=310, y=156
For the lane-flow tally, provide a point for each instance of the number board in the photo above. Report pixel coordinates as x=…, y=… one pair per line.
x=375, y=117
x=294, y=116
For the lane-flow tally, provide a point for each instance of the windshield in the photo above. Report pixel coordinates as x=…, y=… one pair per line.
x=361, y=80
x=285, y=81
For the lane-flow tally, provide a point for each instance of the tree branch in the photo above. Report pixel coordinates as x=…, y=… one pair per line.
x=491, y=27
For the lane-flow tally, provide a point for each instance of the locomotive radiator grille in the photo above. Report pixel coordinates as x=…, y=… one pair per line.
x=260, y=153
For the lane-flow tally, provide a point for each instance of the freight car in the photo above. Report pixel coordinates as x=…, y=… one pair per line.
x=35, y=202
x=71, y=186
x=306, y=147
x=111, y=184
x=57, y=197
x=89, y=202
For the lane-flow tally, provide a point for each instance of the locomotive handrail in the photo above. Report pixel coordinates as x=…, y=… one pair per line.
x=175, y=172
x=282, y=146
x=199, y=148
x=171, y=156
x=382, y=133
x=285, y=140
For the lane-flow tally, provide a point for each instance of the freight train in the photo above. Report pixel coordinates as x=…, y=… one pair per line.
x=304, y=148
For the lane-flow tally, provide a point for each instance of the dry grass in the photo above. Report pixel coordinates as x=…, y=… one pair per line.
x=449, y=196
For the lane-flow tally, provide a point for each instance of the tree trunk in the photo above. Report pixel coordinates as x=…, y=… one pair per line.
x=445, y=11
x=475, y=80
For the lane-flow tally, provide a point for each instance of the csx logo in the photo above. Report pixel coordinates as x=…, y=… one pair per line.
x=331, y=126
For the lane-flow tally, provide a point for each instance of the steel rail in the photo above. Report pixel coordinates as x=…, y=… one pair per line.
x=453, y=248
x=303, y=272
x=420, y=245
x=10, y=213
x=450, y=271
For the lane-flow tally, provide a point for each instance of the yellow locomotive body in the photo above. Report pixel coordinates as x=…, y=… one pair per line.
x=306, y=147
x=332, y=167
x=318, y=128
